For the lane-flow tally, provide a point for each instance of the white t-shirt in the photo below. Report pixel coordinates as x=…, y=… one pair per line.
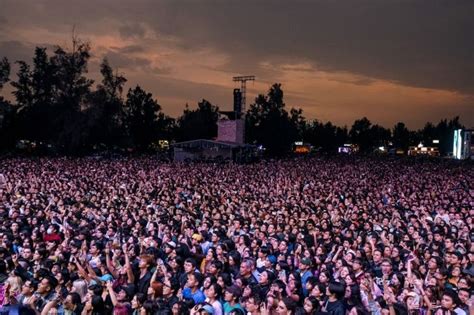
x=217, y=306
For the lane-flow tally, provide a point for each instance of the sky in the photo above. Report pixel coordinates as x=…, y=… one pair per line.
x=338, y=60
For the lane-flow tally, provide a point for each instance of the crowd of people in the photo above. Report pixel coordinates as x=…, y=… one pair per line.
x=327, y=235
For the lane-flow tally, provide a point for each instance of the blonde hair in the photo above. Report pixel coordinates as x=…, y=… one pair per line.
x=80, y=287
x=15, y=283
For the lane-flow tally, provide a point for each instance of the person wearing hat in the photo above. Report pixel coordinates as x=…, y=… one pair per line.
x=231, y=298
x=201, y=309
x=305, y=273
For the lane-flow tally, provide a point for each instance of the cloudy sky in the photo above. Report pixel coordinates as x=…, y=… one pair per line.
x=339, y=60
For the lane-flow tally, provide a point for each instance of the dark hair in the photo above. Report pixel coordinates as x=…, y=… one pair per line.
x=314, y=304
x=141, y=298
x=51, y=281
x=198, y=277
x=453, y=295
x=174, y=284
x=237, y=311
x=188, y=304
x=218, y=264
x=235, y=255
x=217, y=289
x=256, y=297
x=192, y=261
x=355, y=298
x=98, y=305
x=75, y=298
x=338, y=289
x=149, y=307
x=212, y=278
x=401, y=279
x=226, y=278
x=290, y=304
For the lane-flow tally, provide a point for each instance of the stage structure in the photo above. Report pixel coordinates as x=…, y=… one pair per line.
x=230, y=143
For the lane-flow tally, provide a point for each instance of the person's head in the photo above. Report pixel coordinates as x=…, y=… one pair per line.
x=266, y=277
x=463, y=283
x=449, y=300
x=449, y=243
x=336, y=290
x=311, y=305
x=145, y=262
x=124, y=294
x=232, y=293
x=246, y=267
x=215, y=267
x=138, y=300
x=398, y=280
x=80, y=287
x=318, y=291
x=72, y=300
x=360, y=310
x=189, y=265
x=386, y=267
x=179, y=308
x=213, y=291
x=47, y=285
x=252, y=304
x=463, y=295
x=377, y=256
x=194, y=280
x=26, y=253
x=286, y=306
x=324, y=277
x=208, y=280
x=29, y=287
x=98, y=305
x=224, y=280
x=234, y=258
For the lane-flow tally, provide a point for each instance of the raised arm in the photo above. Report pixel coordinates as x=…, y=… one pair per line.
x=112, y=295
x=130, y=276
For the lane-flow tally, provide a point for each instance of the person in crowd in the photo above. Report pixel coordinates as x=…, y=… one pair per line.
x=334, y=235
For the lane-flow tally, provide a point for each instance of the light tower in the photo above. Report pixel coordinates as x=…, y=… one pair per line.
x=243, y=80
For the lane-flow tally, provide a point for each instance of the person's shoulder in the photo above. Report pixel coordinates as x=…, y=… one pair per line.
x=186, y=290
x=460, y=311
x=199, y=295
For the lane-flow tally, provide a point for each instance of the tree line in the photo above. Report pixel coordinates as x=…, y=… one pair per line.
x=56, y=104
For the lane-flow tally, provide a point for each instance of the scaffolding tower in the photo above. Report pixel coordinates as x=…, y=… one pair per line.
x=243, y=80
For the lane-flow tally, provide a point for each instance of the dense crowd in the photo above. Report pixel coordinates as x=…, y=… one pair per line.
x=303, y=236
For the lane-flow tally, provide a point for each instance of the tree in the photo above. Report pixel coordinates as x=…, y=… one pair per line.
x=24, y=86
x=71, y=84
x=200, y=123
x=143, y=119
x=38, y=87
x=379, y=136
x=269, y=124
x=298, y=121
x=360, y=134
x=4, y=72
x=401, y=136
x=105, y=108
x=7, y=111
x=428, y=134
x=50, y=98
x=72, y=89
